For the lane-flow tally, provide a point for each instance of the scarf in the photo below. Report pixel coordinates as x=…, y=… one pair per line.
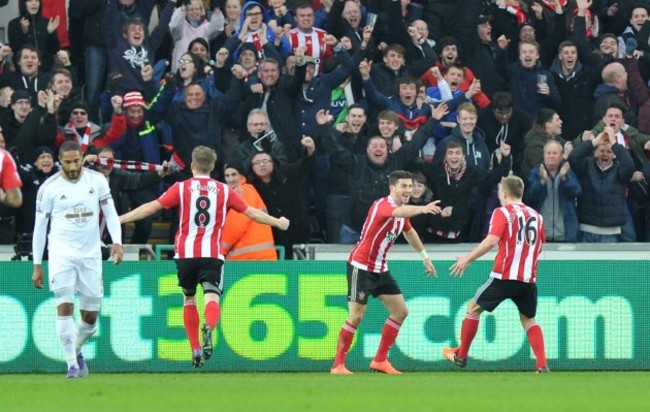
x=128, y=164
x=84, y=140
x=457, y=174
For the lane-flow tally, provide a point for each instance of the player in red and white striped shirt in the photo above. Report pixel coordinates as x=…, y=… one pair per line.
x=368, y=273
x=203, y=205
x=519, y=232
x=10, y=183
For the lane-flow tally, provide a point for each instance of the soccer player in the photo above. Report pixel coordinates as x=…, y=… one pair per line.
x=10, y=183
x=368, y=272
x=71, y=202
x=203, y=204
x=519, y=232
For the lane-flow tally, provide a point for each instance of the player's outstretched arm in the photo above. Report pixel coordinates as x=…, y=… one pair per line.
x=38, y=246
x=141, y=212
x=257, y=215
x=411, y=210
x=413, y=239
x=458, y=268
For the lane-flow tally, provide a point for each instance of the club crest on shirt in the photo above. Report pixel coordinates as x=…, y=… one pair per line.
x=391, y=236
x=79, y=214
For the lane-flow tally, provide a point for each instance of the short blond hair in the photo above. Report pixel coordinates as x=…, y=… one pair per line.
x=513, y=186
x=203, y=159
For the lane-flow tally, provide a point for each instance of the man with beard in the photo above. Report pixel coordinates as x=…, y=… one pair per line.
x=71, y=202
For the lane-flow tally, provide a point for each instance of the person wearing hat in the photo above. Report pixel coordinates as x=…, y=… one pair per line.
x=475, y=38
x=33, y=174
x=29, y=124
x=89, y=134
x=140, y=142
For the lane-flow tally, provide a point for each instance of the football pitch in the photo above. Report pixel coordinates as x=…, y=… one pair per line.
x=416, y=391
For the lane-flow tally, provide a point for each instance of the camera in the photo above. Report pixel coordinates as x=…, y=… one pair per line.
x=23, y=247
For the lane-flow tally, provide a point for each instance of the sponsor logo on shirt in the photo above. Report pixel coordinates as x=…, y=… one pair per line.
x=79, y=214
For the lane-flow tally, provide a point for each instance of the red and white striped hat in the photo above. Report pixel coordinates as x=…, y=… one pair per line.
x=133, y=99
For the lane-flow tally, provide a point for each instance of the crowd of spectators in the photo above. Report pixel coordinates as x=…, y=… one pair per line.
x=312, y=103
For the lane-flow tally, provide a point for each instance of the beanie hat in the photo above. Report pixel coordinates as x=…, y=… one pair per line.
x=133, y=99
x=79, y=104
x=248, y=46
x=20, y=95
x=40, y=150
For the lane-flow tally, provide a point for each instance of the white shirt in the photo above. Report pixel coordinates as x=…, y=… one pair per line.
x=74, y=209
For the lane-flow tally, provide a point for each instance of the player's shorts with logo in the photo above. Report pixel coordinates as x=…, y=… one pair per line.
x=362, y=284
x=494, y=291
x=193, y=271
x=83, y=275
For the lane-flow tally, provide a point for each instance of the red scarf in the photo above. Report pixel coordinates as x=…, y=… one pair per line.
x=457, y=174
x=84, y=140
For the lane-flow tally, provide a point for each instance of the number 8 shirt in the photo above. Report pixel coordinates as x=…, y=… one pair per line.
x=203, y=204
x=521, y=236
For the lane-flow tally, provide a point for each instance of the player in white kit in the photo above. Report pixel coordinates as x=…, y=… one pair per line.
x=71, y=201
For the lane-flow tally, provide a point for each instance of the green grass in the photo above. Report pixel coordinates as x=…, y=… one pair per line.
x=417, y=391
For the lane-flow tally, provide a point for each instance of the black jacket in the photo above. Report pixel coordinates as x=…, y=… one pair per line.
x=602, y=203
x=369, y=181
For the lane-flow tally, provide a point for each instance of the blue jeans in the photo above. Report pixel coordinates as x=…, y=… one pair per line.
x=96, y=66
x=628, y=232
x=348, y=235
x=586, y=237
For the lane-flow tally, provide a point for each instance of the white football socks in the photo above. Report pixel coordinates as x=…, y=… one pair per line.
x=84, y=333
x=67, y=331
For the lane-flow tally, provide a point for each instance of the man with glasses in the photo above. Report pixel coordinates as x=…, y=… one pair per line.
x=89, y=134
x=258, y=139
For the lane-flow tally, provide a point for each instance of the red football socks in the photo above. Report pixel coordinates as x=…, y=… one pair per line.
x=536, y=341
x=345, y=340
x=191, y=321
x=467, y=333
x=212, y=313
x=388, y=336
